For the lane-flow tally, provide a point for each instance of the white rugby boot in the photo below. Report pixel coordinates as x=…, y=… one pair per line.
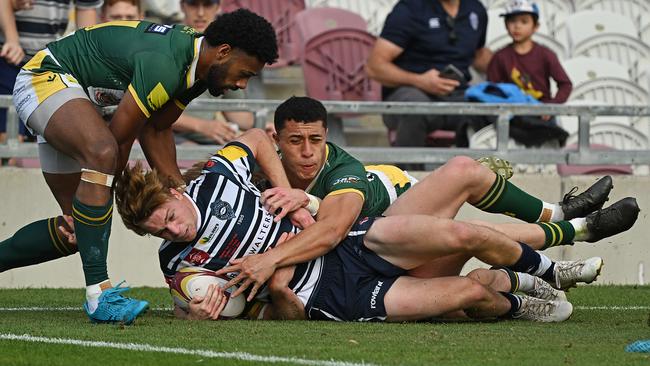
x=546, y=311
x=568, y=273
x=543, y=290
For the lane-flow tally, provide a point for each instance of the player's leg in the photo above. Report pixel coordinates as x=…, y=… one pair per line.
x=415, y=298
x=410, y=241
x=462, y=179
x=506, y=280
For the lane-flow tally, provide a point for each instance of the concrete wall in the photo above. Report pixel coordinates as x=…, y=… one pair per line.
x=26, y=198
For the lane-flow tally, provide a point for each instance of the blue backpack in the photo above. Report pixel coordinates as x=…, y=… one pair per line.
x=487, y=92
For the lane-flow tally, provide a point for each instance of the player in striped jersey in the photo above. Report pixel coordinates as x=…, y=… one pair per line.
x=219, y=221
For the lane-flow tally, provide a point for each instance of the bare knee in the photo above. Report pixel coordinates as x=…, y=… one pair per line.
x=463, y=167
x=100, y=155
x=465, y=237
x=472, y=293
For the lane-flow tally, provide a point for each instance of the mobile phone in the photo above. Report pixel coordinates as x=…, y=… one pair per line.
x=451, y=72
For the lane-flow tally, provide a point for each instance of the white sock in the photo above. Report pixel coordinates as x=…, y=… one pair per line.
x=551, y=212
x=526, y=282
x=92, y=295
x=580, y=226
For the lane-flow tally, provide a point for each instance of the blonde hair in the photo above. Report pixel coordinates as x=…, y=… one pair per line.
x=137, y=194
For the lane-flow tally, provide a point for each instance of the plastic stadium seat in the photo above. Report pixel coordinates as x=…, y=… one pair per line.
x=582, y=69
x=644, y=30
x=314, y=21
x=280, y=13
x=333, y=66
x=633, y=9
x=374, y=12
x=605, y=35
x=600, y=169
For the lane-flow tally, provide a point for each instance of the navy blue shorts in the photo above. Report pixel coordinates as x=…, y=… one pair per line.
x=354, y=282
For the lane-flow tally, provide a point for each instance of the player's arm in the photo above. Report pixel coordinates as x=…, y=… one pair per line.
x=157, y=141
x=127, y=120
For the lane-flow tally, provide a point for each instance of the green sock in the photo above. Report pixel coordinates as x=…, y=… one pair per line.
x=506, y=198
x=92, y=226
x=35, y=243
x=557, y=233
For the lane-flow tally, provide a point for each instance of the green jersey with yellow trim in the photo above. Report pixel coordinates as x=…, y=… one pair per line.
x=157, y=63
x=342, y=173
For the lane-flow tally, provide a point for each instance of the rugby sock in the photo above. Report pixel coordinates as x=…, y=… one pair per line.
x=558, y=233
x=512, y=276
x=526, y=282
x=534, y=263
x=93, y=227
x=93, y=292
x=506, y=198
x=35, y=243
x=515, y=304
x=579, y=225
x=551, y=212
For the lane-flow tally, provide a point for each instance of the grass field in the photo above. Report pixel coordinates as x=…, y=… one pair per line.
x=44, y=327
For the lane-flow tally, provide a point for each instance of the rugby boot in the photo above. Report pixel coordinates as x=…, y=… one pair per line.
x=540, y=310
x=115, y=308
x=544, y=291
x=568, y=273
x=612, y=220
x=499, y=166
x=588, y=201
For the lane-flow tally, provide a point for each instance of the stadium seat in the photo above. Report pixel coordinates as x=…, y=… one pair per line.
x=373, y=12
x=280, y=13
x=633, y=9
x=599, y=169
x=582, y=69
x=607, y=35
x=644, y=30
x=314, y=21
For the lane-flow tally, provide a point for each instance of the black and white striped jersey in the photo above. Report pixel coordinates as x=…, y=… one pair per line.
x=232, y=222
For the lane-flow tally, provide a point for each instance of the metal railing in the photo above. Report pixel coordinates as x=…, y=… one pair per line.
x=262, y=108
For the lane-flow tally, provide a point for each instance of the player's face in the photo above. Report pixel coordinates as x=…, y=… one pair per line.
x=174, y=220
x=199, y=13
x=303, y=148
x=121, y=11
x=521, y=27
x=232, y=74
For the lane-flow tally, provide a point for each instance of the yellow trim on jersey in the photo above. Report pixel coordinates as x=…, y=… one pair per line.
x=117, y=23
x=157, y=97
x=138, y=102
x=232, y=153
x=396, y=175
x=179, y=104
x=36, y=61
x=191, y=72
x=46, y=84
x=347, y=190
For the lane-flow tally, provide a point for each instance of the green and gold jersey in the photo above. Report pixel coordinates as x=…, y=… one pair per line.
x=156, y=63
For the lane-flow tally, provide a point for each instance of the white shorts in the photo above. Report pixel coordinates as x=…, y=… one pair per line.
x=390, y=177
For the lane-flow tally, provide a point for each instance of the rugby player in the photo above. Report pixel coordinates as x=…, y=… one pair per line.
x=219, y=220
x=326, y=172
x=151, y=71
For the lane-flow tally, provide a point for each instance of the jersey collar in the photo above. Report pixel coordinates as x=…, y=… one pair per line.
x=191, y=73
x=199, y=219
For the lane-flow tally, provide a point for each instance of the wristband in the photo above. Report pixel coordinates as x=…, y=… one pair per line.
x=313, y=205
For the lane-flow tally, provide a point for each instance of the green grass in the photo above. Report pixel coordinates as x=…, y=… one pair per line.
x=590, y=337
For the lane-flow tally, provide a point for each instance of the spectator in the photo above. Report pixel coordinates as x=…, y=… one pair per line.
x=524, y=62
x=121, y=10
x=423, y=54
x=530, y=66
x=209, y=129
x=27, y=26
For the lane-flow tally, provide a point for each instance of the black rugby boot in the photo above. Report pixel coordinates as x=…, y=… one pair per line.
x=612, y=220
x=588, y=201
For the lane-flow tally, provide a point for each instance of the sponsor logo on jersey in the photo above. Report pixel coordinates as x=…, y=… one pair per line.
x=222, y=210
x=197, y=257
x=375, y=292
x=209, y=164
x=348, y=179
x=208, y=237
x=158, y=28
x=230, y=248
x=51, y=78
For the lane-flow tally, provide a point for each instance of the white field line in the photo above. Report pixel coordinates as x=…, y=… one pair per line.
x=242, y=356
x=71, y=308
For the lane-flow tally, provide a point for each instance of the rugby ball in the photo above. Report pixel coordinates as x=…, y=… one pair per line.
x=194, y=281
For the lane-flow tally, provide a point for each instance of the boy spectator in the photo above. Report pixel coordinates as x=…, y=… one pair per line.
x=113, y=10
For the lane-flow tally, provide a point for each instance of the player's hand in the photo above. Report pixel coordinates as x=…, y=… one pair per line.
x=208, y=306
x=68, y=230
x=254, y=270
x=280, y=201
x=22, y=4
x=216, y=130
x=12, y=52
x=432, y=83
x=301, y=218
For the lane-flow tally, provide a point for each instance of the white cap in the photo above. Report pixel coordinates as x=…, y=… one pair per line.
x=521, y=7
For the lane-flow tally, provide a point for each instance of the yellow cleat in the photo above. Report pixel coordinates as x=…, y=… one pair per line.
x=497, y=165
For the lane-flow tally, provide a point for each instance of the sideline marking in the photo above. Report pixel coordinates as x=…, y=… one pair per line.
x=242, y=356
x=72, y=308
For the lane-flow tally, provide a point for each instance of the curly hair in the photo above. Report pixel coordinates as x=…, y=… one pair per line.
x=244, y=30
x=138, y=194
x=299, y=109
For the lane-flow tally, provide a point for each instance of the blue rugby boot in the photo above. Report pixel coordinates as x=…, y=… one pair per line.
x=115, y=308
